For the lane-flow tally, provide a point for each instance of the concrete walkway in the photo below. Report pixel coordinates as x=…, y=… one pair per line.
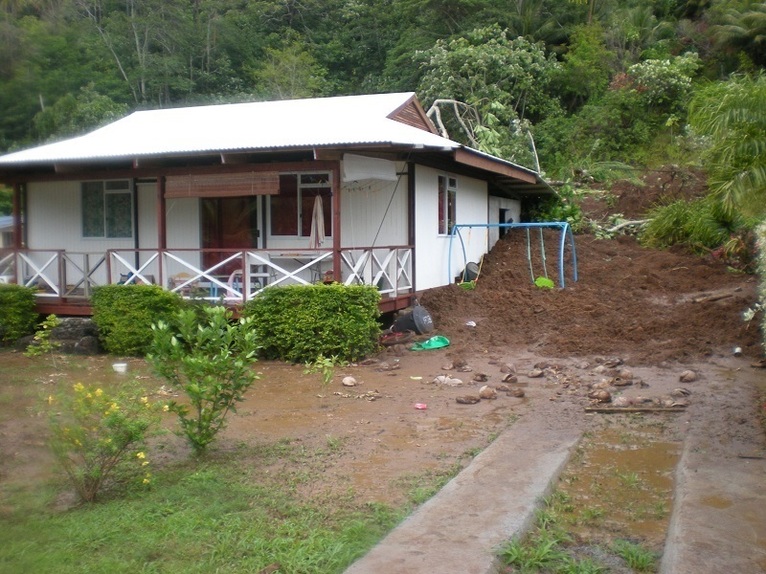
x=718, y=523
x=493, y=499
x=718, y=520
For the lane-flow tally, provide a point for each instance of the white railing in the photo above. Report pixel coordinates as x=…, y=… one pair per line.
x=388, y=268
x=236, y=275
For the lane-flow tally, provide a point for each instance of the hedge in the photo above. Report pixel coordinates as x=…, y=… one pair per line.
x=18, y=316
x=300, y=323
x=124, y=315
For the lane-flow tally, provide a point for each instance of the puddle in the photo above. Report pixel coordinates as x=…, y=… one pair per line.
x=620, y=485
x=716, y=502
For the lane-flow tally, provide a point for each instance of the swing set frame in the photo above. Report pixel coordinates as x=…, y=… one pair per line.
x=563, y=226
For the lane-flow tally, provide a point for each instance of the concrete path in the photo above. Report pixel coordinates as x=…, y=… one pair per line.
x=493, y=499
x=718, y=523
x=718, y=520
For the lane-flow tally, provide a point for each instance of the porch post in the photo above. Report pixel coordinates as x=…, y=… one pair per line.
x=161, y=221
x=336, y=241
x=17, y=236
x=411, y=232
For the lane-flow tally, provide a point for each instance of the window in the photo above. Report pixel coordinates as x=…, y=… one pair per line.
x=447, y=201
x=292, y=209
x=107, y=209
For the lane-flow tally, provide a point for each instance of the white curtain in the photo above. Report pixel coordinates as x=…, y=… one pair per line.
x=316, y=238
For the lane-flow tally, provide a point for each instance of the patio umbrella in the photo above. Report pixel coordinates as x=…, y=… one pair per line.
x=316, y=238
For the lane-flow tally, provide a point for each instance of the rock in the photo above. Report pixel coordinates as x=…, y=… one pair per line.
x=600, y=370
x=535, y=373
x=621, y=382
x=74, y=328
x=448, y=367
x=612, y=362
x=600, y=395
x=688, y=376
x=447, y=380
x=625, y=374
x=398, y=350
x=508, y=368
x=87, y=346
x=517, y=393
x=74, y=335
x=680, y=392
x=468, y=399
x=386, y=366
x=480, y=378
x=602, y=384
x=464, y=369
x=487, y=392
x=510, y=378
x=349, y=382
x=621, y=402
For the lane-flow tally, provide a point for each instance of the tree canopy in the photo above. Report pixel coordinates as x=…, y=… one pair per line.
x=591, y=80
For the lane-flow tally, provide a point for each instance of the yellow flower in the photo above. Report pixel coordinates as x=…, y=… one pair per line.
x=145, y=463
x=78, y=387
x=146, y=481
x=144, y=400
x=165, y=408
x=50, y=399
x=88, y=396
x=98, y=392
x=140, y=455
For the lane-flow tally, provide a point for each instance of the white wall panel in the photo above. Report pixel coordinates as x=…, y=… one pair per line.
x=432, y=250
x=374, y=211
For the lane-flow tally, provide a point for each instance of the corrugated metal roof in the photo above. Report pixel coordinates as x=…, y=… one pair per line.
x=316, y=122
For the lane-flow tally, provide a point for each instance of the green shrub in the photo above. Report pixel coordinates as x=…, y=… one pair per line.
x=701, y=224
x=98, y=437
x=564, y=206
x=42, y=343
x=124, y=315
x=17, y=312
x=210, y=360
x=301, y=323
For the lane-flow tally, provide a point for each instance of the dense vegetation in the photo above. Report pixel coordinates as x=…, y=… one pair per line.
x=588, y=82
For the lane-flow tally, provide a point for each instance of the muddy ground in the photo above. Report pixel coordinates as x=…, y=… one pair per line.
x=634, y=316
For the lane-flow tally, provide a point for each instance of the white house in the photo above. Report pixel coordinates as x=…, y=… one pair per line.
x=222, y=201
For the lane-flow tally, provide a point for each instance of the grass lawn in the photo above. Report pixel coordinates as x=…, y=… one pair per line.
x=244, y=507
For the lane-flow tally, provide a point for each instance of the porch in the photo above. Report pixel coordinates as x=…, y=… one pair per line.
x=65, y=279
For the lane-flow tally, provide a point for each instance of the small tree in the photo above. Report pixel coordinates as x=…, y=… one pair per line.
x=209, y=359
x=42, y=343
x=98, y=437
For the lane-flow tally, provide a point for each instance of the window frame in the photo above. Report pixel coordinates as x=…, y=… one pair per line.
x=446, y=203
x=303, y=184
x=114, y=216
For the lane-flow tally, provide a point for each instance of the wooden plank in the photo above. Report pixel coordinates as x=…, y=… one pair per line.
x=609, y=410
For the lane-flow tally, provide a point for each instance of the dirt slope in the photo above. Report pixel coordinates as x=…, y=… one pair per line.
x=645, y=305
